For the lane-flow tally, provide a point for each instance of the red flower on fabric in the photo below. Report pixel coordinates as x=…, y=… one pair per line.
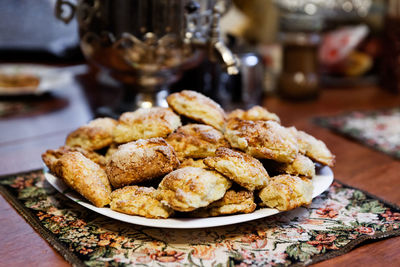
x=327, y=212
x=57, y=218
x=227, y=244
x=43, y=216
x=391, y=216
x=107, y=236
x=324, y=241
x=111, y=239
x=204, y=252
x=365, y=230
x=381, y=127
x=78, y=223
x=85, y=251
x=167, y=256
x=256, y=241
x=21, y=183
x=300, y=230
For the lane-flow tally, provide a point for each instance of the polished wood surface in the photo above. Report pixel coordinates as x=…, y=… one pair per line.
x=22, y=140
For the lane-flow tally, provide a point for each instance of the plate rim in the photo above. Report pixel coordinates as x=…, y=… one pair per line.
x=325, y=173
x=44, y=85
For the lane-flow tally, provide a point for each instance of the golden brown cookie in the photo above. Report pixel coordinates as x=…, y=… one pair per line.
x=256, y=113
x=140, y=161
x=146, y=123
x=19, y=82
x=199, y=163
x=239, y=167
x=95, y=135
x=111, y=150
x=286, y=192
x=262, y=139
x=196, y=141
x=135, y=200
x=51, y=156
x=190, y=188
x=197, y=107
x=313, y=148
x=85, y=177
x=232, y=202
x=301, y=166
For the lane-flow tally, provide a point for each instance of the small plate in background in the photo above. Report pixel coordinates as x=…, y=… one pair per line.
x=49, y=78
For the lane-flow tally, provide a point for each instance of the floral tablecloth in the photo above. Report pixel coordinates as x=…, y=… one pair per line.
x=378, y=129
x=335, y=222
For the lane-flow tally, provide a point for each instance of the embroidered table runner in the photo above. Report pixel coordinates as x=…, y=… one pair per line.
x=378, y=129
x=334, y=223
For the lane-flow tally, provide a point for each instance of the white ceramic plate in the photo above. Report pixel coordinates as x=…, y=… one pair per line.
x=321, y=182
x=51, y=78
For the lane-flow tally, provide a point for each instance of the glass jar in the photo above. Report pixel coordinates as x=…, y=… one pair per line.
x=300, y=39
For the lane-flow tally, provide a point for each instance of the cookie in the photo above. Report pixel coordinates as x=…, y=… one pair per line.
x=146, y=123
x=287, y=192
x=233, y=202
x=256, y=113
x=51, y=156
x=196, y=141
x=239, y=167
x=301, y=166
x=95, y=135
x=135, y=200
x=85, y=177
x=262, y=139
x=313, y=148
x=197, y=107
x=189, y=188
x=141, y=161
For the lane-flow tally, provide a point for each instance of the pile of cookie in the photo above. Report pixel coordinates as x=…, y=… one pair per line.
x=149, y=163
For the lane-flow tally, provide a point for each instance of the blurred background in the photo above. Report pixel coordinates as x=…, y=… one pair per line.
x=289, y=49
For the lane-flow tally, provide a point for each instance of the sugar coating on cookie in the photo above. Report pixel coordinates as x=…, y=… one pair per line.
x=189, y=188
x=146, y=123
x=256, y=113
x=198, y=163
x=51, y=156
x=139, y=200
x=233, y=202
x=140, y=161
x=197, y=107
x=287, y=192
x=95, y=135
x=85, y=177
x=196, y=141
x=262, y=139
x=239, y=167
x=313, y=148
x=301, y=166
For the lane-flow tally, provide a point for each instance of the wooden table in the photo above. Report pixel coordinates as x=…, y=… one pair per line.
x=22, y=140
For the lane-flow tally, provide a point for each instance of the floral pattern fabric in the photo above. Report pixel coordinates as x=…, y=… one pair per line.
x=336, y=221
x=377, y=129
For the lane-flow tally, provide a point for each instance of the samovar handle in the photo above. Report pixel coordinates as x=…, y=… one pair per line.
x=59, y=10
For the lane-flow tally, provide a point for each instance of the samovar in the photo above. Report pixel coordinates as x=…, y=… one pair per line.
x=147, y=44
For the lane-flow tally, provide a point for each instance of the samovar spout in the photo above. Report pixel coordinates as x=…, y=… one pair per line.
x=224, y=55
x=218, y=50
x=203, y=31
